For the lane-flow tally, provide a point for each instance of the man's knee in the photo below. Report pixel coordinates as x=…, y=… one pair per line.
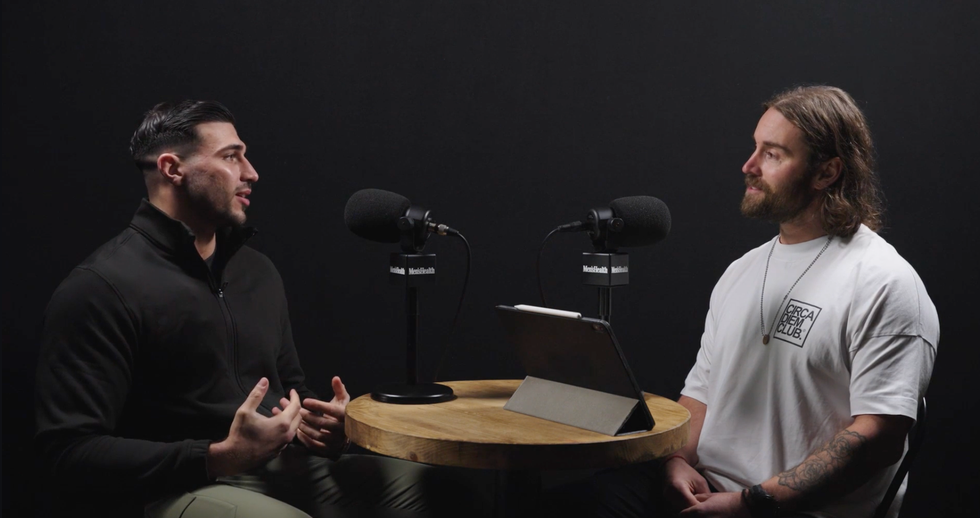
x=221, y=501
x=400, y=484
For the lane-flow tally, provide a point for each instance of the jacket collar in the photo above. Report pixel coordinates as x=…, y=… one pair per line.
x=175, y=236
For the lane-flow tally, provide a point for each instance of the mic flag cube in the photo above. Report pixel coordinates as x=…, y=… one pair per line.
x=605, y=269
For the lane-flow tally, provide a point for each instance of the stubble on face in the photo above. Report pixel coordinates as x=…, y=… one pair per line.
x=212, y=201
x=215, y=174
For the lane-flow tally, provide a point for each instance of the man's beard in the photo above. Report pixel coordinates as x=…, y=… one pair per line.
x=211, y=202
x=778, y=206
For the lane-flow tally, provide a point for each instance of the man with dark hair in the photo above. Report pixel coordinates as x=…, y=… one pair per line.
x=168, y=364
x=817, y=345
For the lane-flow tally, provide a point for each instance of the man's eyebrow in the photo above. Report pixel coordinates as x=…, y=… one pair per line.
x=230, y=147
x=785, y=149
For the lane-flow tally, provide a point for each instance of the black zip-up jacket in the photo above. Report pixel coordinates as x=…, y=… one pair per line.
x=147, y=353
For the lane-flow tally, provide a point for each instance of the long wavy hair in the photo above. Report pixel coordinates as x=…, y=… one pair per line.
x=833, y=126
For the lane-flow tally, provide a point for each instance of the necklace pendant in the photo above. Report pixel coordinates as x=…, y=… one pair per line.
x=765, y=339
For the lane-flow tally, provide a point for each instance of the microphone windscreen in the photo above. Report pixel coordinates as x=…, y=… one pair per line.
x=373, y=214
x=646, y=220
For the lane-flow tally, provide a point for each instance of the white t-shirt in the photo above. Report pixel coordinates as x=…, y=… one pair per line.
x=857, y=335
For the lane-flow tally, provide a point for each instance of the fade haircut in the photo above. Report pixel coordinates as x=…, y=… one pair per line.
x=833, y=126
x=172, y=126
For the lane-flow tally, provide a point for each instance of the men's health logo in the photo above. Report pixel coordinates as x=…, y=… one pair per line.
x=795, y=323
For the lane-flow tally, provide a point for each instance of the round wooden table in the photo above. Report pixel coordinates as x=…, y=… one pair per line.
x=475, y=431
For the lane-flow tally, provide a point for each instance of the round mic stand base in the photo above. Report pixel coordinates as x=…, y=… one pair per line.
x=412, y=394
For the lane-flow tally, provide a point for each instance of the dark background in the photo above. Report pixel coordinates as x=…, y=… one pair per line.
x=506, y=118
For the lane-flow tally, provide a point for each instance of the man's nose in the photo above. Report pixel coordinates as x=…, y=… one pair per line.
x=751, y=165
x=249, y=174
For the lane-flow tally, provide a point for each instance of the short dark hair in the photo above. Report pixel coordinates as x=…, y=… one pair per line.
x=833, y=126
x=172, y=125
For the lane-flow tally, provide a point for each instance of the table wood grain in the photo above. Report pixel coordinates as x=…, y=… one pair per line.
x=475, y=431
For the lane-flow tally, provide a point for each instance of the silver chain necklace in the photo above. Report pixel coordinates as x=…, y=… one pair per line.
x=762, y=318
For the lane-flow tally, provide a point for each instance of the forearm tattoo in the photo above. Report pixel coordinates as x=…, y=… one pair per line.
x=819, y=468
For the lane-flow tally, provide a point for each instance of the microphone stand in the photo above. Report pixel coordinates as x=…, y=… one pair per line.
x=605, y=270
x=605, y=303
x=412, y=270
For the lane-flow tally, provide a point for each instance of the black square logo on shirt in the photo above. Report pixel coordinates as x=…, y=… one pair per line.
x=796, y=321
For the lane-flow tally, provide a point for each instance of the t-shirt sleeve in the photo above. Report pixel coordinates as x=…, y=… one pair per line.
x=889, y=373
x=892, y=343
x=696, y=384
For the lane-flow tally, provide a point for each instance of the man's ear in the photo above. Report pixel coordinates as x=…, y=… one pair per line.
x=828, y=173
x=168, y=166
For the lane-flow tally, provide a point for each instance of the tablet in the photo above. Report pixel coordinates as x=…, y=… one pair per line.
x=567, y=349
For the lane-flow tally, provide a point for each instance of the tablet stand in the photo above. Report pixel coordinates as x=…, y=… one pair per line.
x=601, y=412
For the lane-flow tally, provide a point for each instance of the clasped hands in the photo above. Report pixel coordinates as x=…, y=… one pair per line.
x=254, y=439
x=321, y=425
x=685, y=488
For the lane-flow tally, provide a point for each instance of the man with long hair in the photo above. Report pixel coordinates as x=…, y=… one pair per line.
x=817, y=345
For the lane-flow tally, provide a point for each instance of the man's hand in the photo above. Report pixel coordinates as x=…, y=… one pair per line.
x=322, y=427
x=727, y=505
x=253, y=438
x=682, y=483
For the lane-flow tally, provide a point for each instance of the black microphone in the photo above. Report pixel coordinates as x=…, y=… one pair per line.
x=387, y=217
x=626, y=222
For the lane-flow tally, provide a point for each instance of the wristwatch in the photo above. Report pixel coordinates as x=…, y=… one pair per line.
x=760, y=503
x=342, y=451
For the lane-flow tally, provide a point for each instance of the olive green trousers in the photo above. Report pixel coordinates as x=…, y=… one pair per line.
x=299, y=485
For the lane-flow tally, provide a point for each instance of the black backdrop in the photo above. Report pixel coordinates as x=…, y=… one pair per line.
x=506, y=118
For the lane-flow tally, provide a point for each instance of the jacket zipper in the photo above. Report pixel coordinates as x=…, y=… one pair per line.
x=219, y=292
